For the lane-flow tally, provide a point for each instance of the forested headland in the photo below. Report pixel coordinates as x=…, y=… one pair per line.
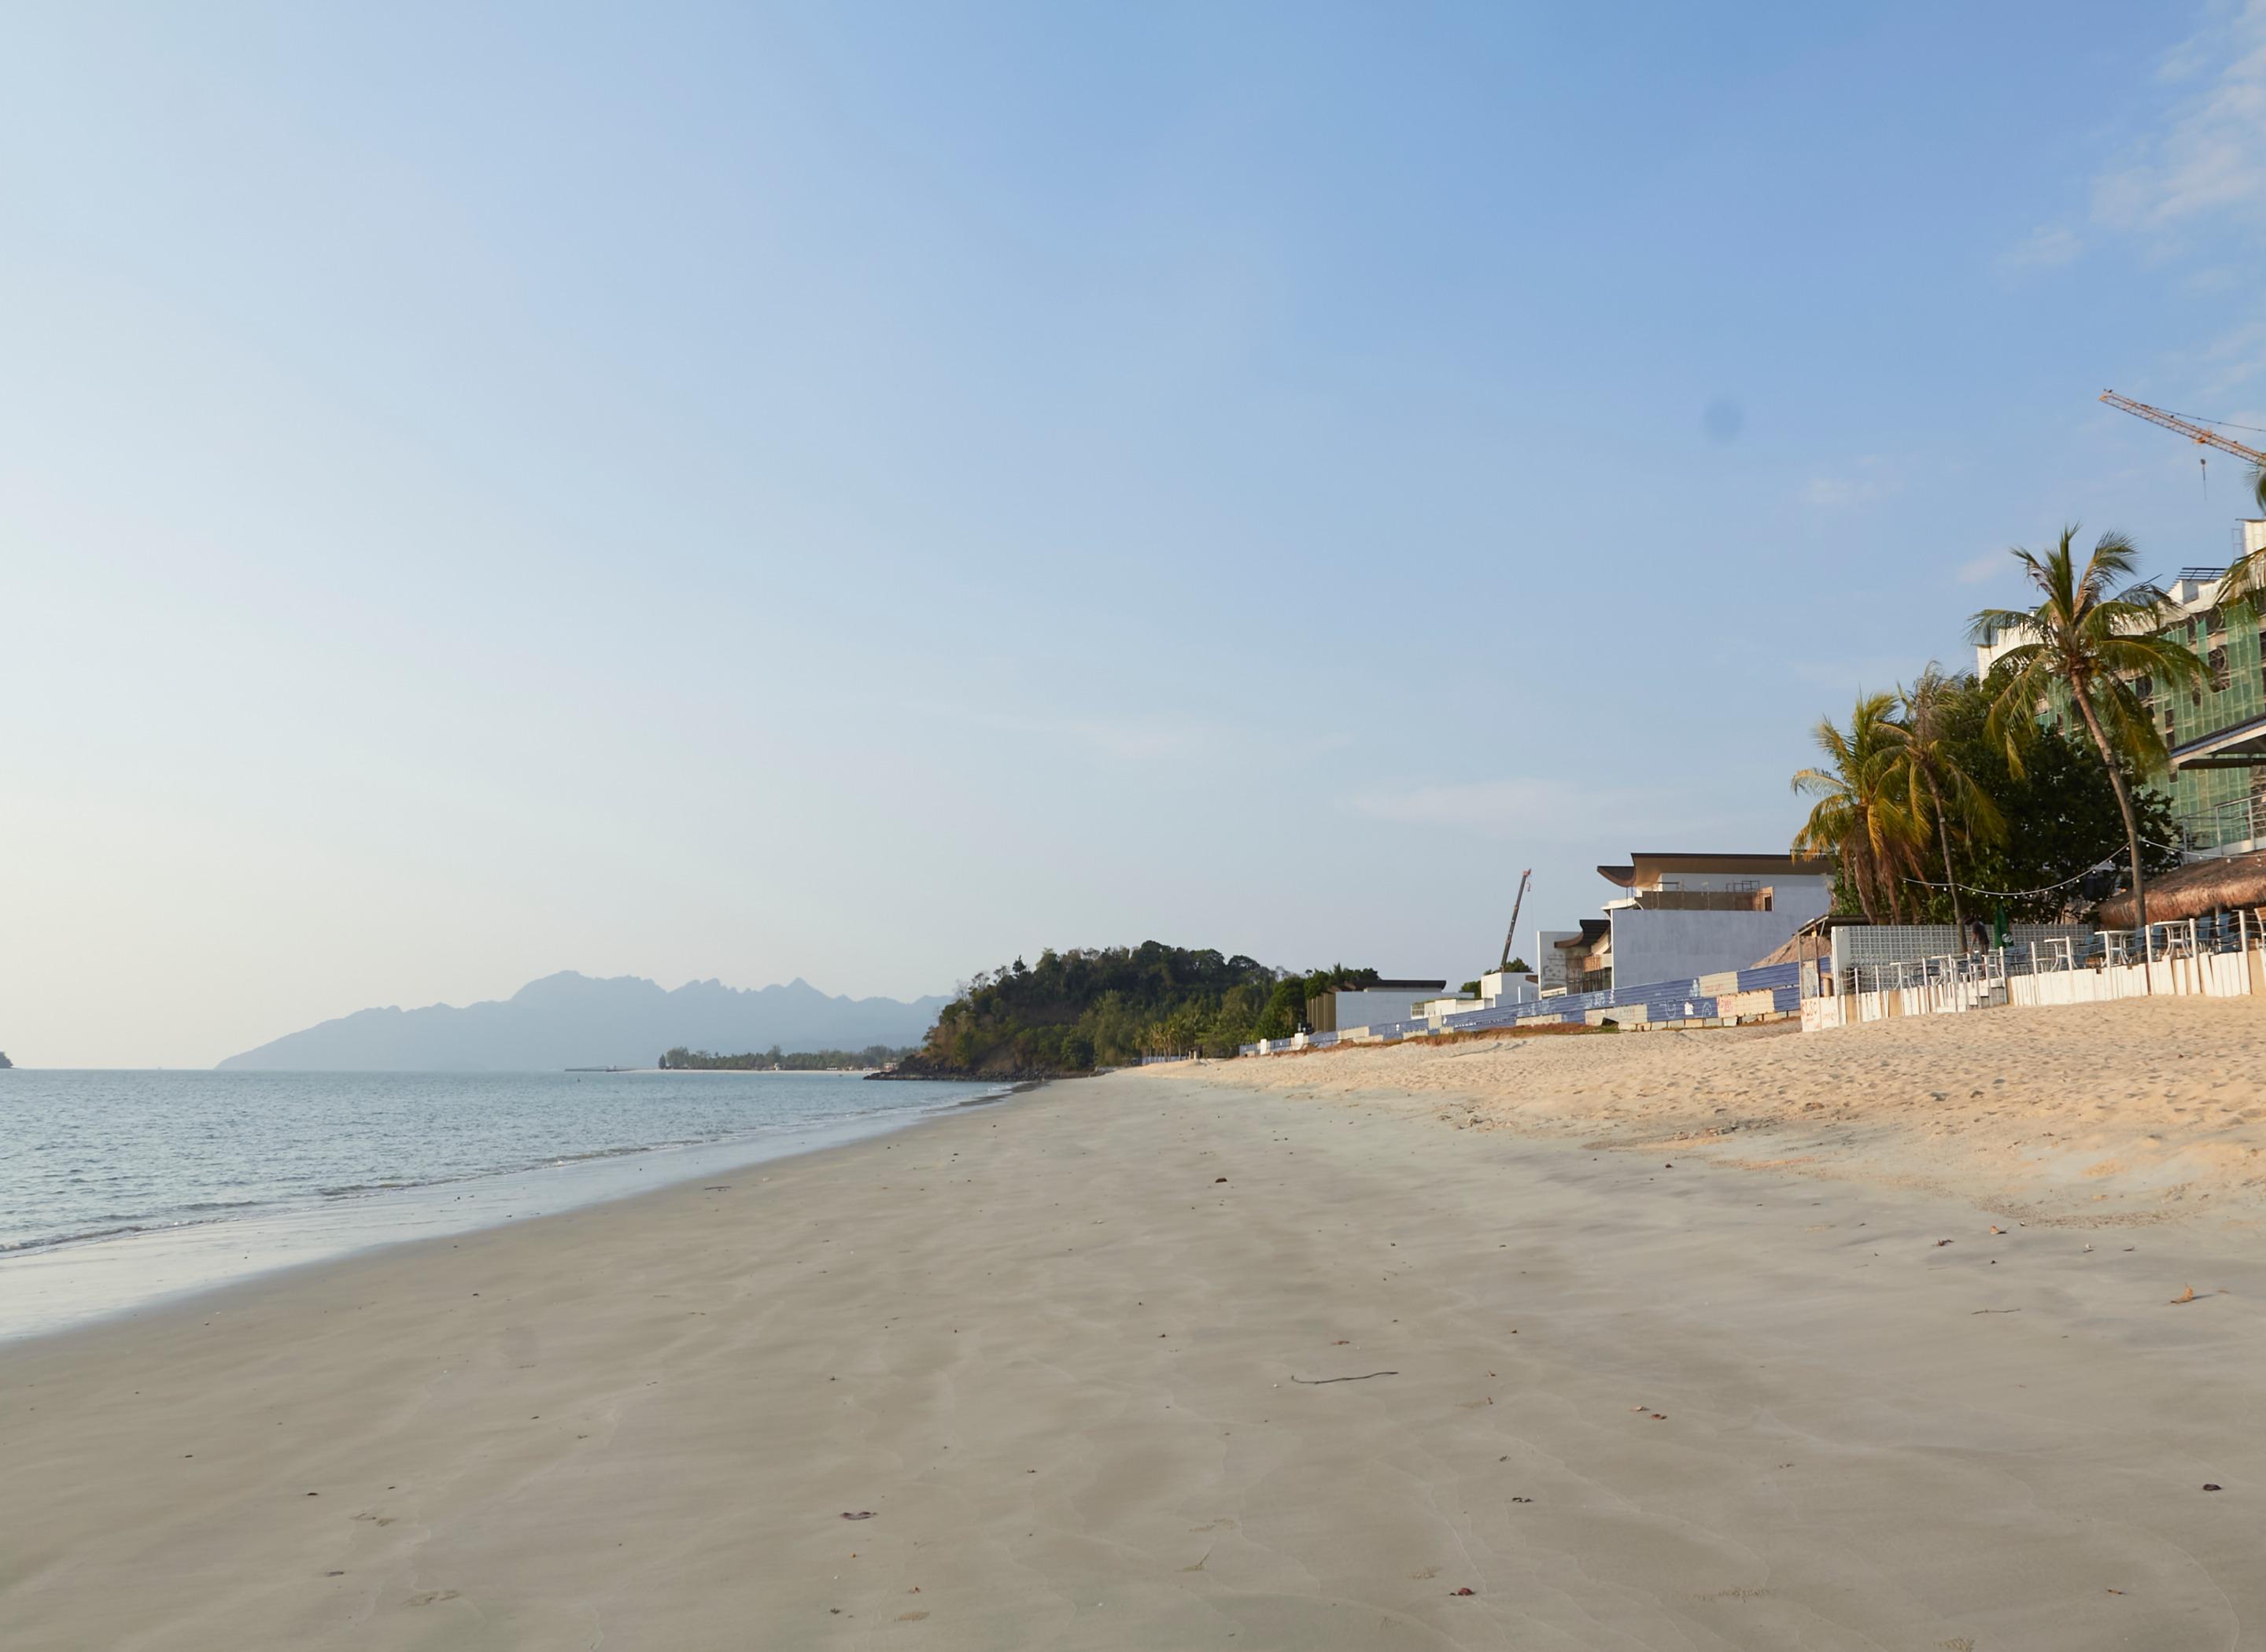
x=776, y=1060
x=1074, y=1011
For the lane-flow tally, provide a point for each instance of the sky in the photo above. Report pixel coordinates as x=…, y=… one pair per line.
x=864, y=492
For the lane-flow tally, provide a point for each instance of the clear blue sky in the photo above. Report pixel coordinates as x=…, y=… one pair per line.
x=865, y=492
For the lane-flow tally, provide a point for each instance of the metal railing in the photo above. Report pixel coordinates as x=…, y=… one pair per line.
x=1982, y=970
x=2239, y=820
x=2177, y=938
x=1704, y=900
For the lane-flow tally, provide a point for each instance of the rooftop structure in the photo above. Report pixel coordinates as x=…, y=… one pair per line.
x=1685, y=913
x=1498, y=989
x=1343, y=1009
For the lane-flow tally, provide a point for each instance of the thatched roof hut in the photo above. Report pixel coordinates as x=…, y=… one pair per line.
x=1812, y=943
x=2192, y=890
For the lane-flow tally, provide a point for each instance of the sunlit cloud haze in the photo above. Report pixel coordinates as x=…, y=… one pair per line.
x=864, y=492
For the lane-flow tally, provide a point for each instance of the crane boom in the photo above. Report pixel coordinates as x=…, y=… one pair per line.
x=1510, y=933
x=2194, y=432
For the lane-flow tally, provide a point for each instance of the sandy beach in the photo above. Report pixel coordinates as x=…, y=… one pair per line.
x=1264, y=1354
x=2132, y=1112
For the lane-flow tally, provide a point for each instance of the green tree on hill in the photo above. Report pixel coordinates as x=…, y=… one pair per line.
x=1073, y=1011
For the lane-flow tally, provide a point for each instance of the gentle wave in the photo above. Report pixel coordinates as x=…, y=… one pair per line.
x=120, y=1154
x=50, y=1241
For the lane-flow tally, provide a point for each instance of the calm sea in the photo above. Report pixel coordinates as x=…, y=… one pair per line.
x=118, y=1189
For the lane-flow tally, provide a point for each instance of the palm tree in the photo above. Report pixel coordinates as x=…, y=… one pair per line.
x=1859, y=815
x=2093, y=635
x=2244, y=585
x=1935, y=781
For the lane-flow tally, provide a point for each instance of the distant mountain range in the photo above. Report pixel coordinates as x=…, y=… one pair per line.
x=573, y=1020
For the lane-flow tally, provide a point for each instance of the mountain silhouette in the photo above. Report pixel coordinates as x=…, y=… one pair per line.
x=574, y=1020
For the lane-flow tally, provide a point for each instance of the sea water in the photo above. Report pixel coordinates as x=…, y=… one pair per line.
x=121, y=1189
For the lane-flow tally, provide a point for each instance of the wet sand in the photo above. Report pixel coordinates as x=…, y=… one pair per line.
x=1088, y=1392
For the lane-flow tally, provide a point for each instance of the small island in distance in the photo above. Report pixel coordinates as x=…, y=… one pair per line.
x=774, y=1060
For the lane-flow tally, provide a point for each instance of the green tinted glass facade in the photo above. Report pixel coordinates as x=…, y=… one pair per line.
x=2233, y=645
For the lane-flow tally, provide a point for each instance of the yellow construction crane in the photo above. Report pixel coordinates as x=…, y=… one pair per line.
x=2203, y=434
x=2246, y=581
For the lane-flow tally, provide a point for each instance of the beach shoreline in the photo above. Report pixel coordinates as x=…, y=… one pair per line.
x=1156, y=1360
x=50, y=1285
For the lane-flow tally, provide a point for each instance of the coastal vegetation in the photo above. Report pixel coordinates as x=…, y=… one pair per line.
x=776, y=1060
x=1080, y=1009
x=1860, y=817
x=2007, y=795
x=2091, y=646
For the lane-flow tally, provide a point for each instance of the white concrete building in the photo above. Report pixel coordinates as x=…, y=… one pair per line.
x=1687, y=915
x=1549, y=959
x=1497, y=988
x=1346, y=1009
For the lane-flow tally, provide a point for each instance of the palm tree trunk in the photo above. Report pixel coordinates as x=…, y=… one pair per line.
x=2124, y=806
x=1943, y=842
x=1853, y=874
x=1892, y=874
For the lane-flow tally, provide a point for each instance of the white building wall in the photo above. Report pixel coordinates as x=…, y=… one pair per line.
x=1550, y=964
x=1499, y=987
x=1369, y=1007
x=1650, y=947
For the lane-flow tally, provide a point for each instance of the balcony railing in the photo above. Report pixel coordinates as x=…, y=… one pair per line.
x=1703, y=900
x=2239, y=820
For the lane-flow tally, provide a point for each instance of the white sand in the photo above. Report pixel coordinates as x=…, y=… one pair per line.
x=1055, y=1355
x=2127, y=1112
